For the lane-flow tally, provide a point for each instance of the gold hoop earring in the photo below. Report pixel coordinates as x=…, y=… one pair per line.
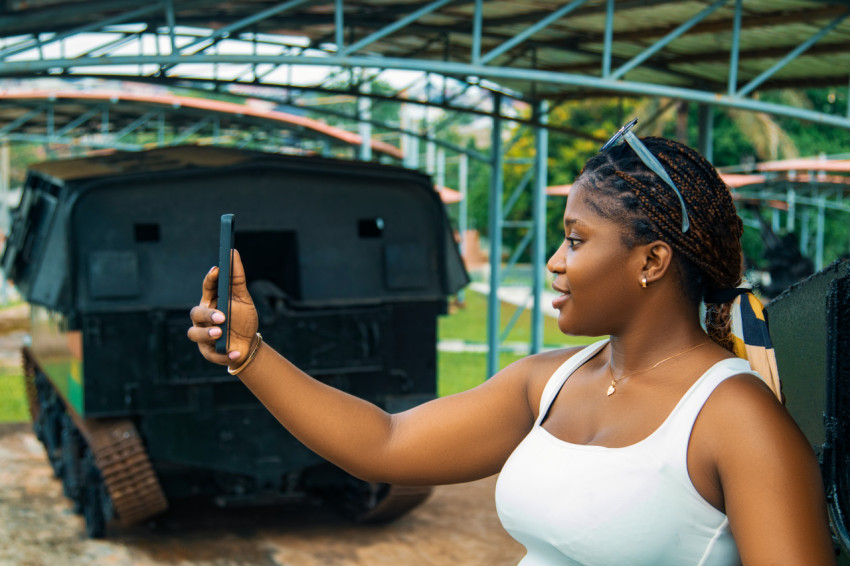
x=643, y=281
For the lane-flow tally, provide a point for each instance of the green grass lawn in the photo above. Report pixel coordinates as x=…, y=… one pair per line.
x=13, y=399
x=470, y=324
x=462, y=371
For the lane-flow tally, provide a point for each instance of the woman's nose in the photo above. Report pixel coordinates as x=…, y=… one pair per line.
x=557, y=261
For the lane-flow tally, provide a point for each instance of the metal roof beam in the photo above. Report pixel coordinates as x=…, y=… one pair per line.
x=531, y=30
x=18, y=68
x=135, y=124
x=753, y=84
x=36, y=42
x=109, y=46
x=245, y=22
x=79, y=120
x=427, y=136
x=78, y=141
x=368, y=40
x=660, y=44
x=808, y=201
x=186, y=134
x=752, y=21
x=21, y=120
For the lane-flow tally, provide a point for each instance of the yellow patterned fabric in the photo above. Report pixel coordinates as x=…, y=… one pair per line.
x=752, y=340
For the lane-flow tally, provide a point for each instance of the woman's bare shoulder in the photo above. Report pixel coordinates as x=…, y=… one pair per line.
x=751, y=430
x=536, y=369
x=768, y=474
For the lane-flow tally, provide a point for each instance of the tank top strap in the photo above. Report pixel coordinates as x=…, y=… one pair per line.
x=676, y=430
x=560, y=376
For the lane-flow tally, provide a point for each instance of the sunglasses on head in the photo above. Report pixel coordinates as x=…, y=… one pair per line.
x=625, y=134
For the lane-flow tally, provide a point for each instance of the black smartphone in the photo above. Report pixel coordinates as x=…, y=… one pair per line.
x=225, y=260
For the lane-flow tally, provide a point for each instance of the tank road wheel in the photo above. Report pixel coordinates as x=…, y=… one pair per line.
x=373, y=502
x=72, y=463
x=97, y=509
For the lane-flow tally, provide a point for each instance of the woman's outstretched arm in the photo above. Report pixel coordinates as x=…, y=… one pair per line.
x=457, y=438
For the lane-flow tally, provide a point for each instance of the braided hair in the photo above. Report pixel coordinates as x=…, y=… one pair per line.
x=706, y=257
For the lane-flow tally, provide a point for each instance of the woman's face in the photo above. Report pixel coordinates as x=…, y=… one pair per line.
x=597, y=275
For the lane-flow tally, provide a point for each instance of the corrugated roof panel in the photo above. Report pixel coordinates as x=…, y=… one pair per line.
x=572, y=44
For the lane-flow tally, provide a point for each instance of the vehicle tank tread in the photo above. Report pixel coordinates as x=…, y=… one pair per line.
x=121, y=458
x=127, y=472
x=29, y=384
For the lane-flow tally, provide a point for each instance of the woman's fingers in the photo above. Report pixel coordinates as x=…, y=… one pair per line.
x=206, y=318
x=204, y=334
x=203, y=316
x=209, y=292
x=204, y=337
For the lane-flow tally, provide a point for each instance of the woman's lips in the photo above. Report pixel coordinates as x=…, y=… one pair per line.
x=561, y=299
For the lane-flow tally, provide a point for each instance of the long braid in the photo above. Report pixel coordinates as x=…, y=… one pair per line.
x=708, y=256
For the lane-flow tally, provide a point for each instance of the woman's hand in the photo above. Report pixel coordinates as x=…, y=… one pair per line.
x=243, y=318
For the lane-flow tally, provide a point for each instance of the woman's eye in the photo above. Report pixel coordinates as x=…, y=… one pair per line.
x=573, y=242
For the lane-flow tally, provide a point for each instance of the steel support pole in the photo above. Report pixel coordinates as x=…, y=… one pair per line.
x=5, y=222
x=804, y=231
x=463, y=213
x=495, y=222
x=609, y=39
x=160, y=129
x=430, y=155
x=735, y=50
x=477, y=25
x=791, y=198
x=364, y=115
x=5, y=165
x=171, y=23
x=706, y=131
x=339, y=25
x=821, y=229
x=538, y=263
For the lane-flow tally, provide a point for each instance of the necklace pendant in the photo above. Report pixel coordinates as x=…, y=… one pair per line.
x=611, y=390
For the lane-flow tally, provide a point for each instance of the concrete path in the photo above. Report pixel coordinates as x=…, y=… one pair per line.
x=519, y=296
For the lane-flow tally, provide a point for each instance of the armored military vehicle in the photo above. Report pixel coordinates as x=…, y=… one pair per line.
x=349, y=265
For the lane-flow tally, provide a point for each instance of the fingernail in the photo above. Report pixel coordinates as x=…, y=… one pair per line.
x=215, y=332
x=211, y=269
x=234, y=355
x=217, y=317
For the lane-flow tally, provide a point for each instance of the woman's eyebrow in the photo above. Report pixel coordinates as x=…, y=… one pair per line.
x=570, y=221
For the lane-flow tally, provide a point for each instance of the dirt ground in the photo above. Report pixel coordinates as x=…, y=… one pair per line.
x=457, y=526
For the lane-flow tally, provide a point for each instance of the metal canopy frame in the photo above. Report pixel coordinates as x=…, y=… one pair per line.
x=720, y=53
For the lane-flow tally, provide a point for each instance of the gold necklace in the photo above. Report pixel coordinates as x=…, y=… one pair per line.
x=613, y=387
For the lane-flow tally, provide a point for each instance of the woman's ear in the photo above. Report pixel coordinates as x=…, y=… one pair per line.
x=657, y=257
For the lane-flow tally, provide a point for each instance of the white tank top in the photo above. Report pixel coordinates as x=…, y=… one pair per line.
x=578, y=505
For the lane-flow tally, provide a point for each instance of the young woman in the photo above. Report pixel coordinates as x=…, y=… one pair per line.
x=656, y=446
